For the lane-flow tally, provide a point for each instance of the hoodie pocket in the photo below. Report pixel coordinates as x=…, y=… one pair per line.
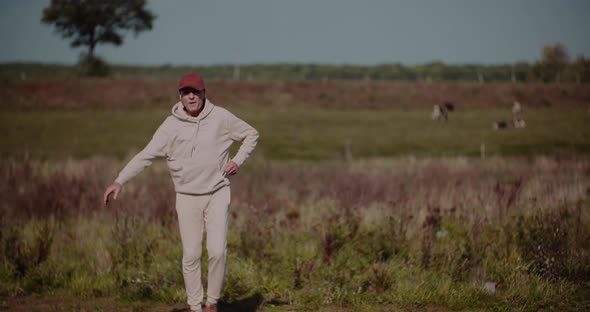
x=197, y=176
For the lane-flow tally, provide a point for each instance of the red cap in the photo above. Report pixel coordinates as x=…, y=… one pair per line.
x=191, y=80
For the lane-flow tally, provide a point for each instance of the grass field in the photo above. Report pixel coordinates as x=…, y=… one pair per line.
x=311, y=134
x=416, y=221
x=55, y=119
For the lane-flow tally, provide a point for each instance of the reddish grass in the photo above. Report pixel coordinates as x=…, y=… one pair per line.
x=472, y=189
x=135, y=93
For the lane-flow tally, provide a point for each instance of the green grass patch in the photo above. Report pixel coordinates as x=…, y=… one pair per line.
x=310, y=134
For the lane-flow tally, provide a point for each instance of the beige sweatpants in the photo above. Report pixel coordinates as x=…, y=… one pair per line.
x=197, y=213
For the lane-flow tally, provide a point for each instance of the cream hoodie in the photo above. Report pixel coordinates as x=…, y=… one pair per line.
x=196, y=148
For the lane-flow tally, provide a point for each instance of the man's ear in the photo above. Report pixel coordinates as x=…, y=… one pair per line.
x=179, y=96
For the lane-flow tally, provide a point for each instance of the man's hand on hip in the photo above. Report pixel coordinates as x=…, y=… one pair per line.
x=231, y=168
x=114, y=189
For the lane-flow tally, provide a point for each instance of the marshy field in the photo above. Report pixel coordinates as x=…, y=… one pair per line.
x=355, y=199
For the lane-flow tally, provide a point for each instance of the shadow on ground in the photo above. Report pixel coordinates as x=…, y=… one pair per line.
x=249, y=304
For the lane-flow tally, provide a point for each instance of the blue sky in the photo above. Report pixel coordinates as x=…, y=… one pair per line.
x=318, y=31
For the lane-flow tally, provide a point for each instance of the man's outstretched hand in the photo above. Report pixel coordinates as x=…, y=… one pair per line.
x=114, y=189
x=231, y=168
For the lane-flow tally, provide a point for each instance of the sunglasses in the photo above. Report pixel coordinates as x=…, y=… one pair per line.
x=187, y=91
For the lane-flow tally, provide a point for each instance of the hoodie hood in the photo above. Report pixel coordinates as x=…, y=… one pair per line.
x=179, y=112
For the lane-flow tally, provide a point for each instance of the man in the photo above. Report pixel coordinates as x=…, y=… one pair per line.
x=196, y=140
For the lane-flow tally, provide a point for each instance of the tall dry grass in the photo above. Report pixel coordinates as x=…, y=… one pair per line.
x=479, y=190
x=401, y=231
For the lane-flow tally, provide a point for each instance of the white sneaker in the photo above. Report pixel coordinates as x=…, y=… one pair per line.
x=196, y=308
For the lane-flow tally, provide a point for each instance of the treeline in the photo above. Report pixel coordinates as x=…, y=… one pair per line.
x=434, y=71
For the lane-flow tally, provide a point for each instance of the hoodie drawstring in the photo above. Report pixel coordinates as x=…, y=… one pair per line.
x=195, y=139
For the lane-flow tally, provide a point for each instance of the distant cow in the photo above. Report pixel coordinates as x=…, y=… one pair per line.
x=442, y=111
x=499, y=125
x=450, y=106
x=516, y=108
x=518, y=123
x=439, y=112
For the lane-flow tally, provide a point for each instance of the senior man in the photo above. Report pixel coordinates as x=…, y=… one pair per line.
x=196, y=140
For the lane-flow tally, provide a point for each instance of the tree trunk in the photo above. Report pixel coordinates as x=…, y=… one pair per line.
x=91, y=51
x=91, y=45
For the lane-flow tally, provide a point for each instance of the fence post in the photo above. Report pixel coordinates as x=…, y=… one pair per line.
x=347, y=151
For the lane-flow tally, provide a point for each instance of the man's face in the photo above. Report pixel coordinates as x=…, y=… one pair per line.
x=192, y=99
